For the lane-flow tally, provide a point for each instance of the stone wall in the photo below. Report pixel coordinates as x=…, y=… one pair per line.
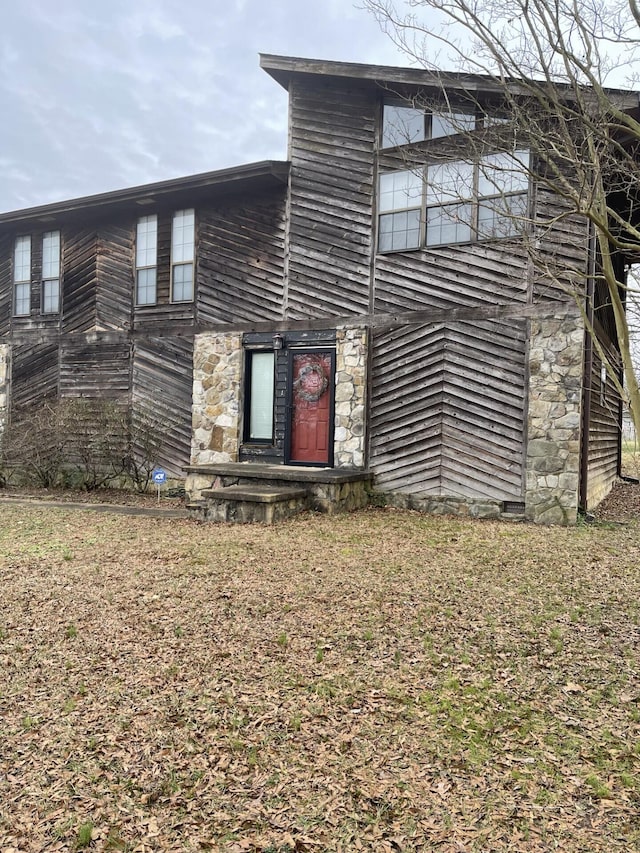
x=350, y=399
x=217, y=392
x=4, y=387
x=555, y=396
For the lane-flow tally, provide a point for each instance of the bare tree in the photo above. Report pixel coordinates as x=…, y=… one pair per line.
x=551, y=66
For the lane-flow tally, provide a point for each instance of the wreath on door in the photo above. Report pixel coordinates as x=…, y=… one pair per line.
x=311, y=383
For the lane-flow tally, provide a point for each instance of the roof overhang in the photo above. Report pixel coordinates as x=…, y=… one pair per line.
x=284, y=69
x=251, y=178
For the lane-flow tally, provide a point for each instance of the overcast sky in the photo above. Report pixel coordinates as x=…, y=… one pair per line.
x=97, y=95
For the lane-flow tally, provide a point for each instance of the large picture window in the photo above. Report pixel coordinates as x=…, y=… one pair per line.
x=22, y=277
x=458, y=202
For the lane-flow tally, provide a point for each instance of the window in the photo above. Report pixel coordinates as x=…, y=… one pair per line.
x=402, y=125
x=51, y=272
x=400, y=207
x=261, y=376
x=146, y=260
x=22, y=277
x=462, y=202
x=182, y=254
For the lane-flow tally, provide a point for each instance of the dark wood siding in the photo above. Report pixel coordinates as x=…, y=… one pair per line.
x=96, y=368
x=34, y=375
x=162, y=390
x=79, y=280
x=241, y=261
x=448, y=409
x=332, y=146
x=114, y=298
x=562, y=252
x=6, y=289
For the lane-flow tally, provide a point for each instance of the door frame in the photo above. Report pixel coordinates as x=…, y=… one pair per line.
x=314, y=350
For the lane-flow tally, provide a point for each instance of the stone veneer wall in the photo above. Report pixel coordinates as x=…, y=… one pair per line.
x=4, y=386
x=350, y=396
x=555, y=396
x=217, y=391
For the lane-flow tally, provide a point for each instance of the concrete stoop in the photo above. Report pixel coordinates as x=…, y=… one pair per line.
x=250, y=492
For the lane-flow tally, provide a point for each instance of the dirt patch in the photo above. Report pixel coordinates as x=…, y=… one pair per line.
x=121, y=497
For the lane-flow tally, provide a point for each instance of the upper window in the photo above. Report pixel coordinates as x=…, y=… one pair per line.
x=182, y=255
x=402, y=125
x=51, y=272
x=22, y=277
x=457, y=201
x=146, y=260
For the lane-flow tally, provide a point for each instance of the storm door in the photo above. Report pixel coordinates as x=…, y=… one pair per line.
x=311, y=380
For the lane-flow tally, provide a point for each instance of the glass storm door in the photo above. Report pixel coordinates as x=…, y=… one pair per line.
x=311, y=431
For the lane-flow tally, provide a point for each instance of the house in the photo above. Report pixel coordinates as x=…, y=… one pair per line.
x=364, y=311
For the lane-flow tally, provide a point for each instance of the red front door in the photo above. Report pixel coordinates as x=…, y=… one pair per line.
x=311, y=397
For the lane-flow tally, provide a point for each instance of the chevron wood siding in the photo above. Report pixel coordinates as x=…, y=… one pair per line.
x=115, y=269
x=162, y=388
x=448, y=409
x=241, y=261
x=331, y=149
x=79, y=280
x=34, y=375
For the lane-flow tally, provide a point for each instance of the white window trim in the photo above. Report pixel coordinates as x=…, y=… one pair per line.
x=21, y=282
x=145, y=267
x=183, y=262
x=48, y=280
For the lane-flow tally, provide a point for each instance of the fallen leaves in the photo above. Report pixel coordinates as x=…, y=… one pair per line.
x=381, y=681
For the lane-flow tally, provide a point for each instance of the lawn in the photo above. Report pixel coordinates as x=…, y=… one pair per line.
x=382, y=681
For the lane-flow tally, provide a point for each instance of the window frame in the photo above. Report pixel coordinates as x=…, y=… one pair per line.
x=428, y=115
x=48, y=280
x=247, y=437
x=147, y=267
x=474, y=200
x=184, y=261
x=22, y=283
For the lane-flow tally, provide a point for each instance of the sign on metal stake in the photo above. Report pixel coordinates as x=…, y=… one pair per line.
x=159, y=477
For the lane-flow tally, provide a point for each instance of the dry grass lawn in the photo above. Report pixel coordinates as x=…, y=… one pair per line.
x=382, y=681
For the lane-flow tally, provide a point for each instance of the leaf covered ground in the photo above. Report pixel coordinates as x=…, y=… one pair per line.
x=382, y=681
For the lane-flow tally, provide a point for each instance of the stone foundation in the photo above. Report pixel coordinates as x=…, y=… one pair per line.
x=350, y=399
x=554, y=416
x=4, y=387
x=217, y=391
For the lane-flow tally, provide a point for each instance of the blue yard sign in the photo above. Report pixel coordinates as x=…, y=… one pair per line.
x=159, y=476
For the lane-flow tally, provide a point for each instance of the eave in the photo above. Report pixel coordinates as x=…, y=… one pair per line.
x=251, y=178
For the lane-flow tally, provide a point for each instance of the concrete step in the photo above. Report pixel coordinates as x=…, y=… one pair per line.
x=254, y=502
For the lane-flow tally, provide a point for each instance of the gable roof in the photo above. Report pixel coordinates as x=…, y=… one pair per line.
x=250, y=178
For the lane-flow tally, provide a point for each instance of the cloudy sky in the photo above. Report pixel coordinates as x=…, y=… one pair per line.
x=97, y=95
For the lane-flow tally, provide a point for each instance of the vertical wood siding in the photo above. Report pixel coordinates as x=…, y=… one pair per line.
x=332, y=147
x=241, y=261
x=448, y=409
x=162, y=389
